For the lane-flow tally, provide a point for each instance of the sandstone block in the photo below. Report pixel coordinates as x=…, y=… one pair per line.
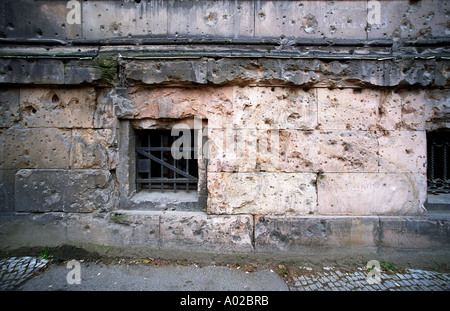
x=274, y=108
x=328, y=151
x=64, y=191
x=408, y=20
x=35, y=148
x=81, y=71
x=414, y=233
x=217, y=233
x=7, y=190
x=371, y=193
x=113, y=19
x=261, y=193
x=314, y=233
x=37, y=71
x=65, y=108
x=118, y=229
x=37, y=20
x=222, y=19
x=28, y=230
x=9, y=106
x=349, y=109
x=94, y=149
x=403, y=151
x=182, y=103
x=340, y=19
x=437, y=109
x=156, y=72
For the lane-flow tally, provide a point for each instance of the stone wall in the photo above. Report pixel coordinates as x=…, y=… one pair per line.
x=316, y=122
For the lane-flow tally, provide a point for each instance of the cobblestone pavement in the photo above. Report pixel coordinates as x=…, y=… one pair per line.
x=16, y=270
x=333, y=279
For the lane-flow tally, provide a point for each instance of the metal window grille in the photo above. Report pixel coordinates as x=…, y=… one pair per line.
x=156, y=169
x=438, y=162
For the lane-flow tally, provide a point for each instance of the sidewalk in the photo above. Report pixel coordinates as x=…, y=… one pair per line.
x=30, y=274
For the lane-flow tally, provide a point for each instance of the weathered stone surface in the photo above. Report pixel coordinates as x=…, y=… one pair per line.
x=7, y=190
x=28, y=230
x=328, y=151
x=403, y=151
x=409, y=20
x=9, y=106
x=198, y=231
x=35, y=148
x=348, y=109
x=261, y=193
x=250, y=150
x=212, y=104
x=61, y=107
x=437, y=109
x=413, y=232
x=125, y=229
x=310, y=19
x=371, y=194
x=81, y=72
x=109, y=19
x=64, y=190
x=37, y=19
x=157, y=72
x=37, y=71
x=274, y=108
x=409, y=71
x=314, y=234
x=231, y=19
x=94, y=149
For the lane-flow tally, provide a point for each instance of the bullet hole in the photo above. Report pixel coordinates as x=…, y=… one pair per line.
x=10, y=26
x=137, y=1
x=332, y=29
x=39, y=32
x=262, y=16
x=102, y=27
x=55, y=99
x=310, y=24
x=211, y=19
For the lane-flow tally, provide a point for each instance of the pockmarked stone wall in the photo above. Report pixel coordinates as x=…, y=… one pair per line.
x=313, y=118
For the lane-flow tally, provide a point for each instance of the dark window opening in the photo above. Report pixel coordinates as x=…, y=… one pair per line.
x=438, y=162
x=156, y=168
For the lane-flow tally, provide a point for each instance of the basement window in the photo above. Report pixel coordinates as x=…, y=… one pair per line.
x=156, y=167
x=438, y=162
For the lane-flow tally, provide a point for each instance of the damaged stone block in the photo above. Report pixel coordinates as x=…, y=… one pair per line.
x=229, y=19
x=199, y=231
x=9, y=106
x=371, y=194
x=35, y=148
x=348, y=109
x=314, y=233
x=78, y=191
x=274, y=108
x=63, y=108
x=157, y=72
x=328, y=151
x=94, y=149
x=33, y=71
x=403, y=151
x=123, y=19
x=310, y=19
x=116, y=229
x=7, y=190
x=262, y=193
